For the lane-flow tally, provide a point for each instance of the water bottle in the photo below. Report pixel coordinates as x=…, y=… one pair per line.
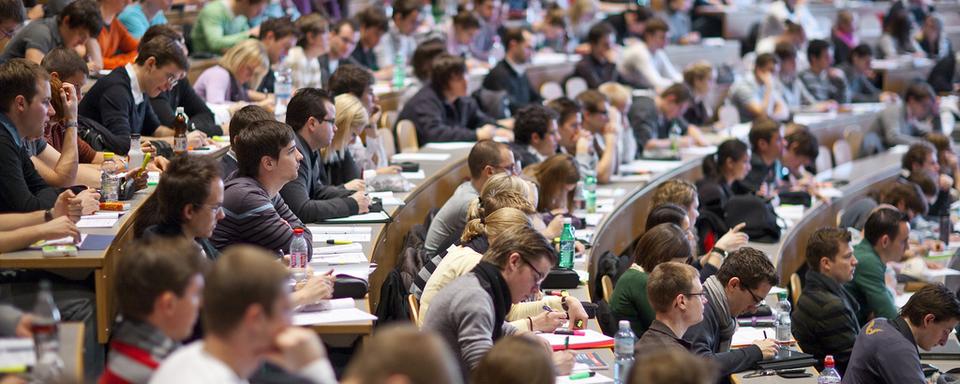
x=623, y=351
x=135, y=155
x=180, y=131
x=399, y=69
x=282, y=89
x=109, y=185
x=496, y=52
x=728, y=117
x=567, y=247
x=675, y=133
x=782, y=323
x=590, y=192
x=579, y=194
x=298, y=255
x=829, y=374
x=46, y=318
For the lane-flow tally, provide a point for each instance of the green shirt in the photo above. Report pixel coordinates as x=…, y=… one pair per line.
x=868, y=285
x=217, y=28
x=629, y=301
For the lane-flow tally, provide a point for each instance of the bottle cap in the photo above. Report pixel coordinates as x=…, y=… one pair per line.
x=298, y=231
x=624, y=323
x=567, y=220
x=781, y=295
x=828, y=361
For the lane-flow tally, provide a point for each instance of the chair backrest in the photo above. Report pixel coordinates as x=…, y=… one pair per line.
x=407, y=137
x=574, y=86
x=607, y=284
x=551, y=90
x=389, y=145
x=795, y=288
x=854, y=136
x=841, y=152
x=824, y=162
x=414, y=305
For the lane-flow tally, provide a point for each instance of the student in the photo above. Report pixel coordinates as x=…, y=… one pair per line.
x=441, y=110
x=674, y=367
x=387, y=356
x=684, y=194
x=766, y=143
x=12, y=16
x=516, y=359
x=311, y=198
x=373, y=25
x=339, y=163
x=469, y=313
x=680, y=25
x=256, y=214
x=343, y=40
x=117, y=46
x=843, y=36
x=489, y=13
x=933, y=41
x=233, y=80
x=536, y=134
x=60, y=167
x=886, y=351
x=645, y=64
x=897, y=39
x=245, y=117
x=676, y=295
x=278, y=35
x=243, y=330
x=67, y=66
x=946, y=156
x=604, y=141
x=916, y=117
x=905, y=196
x=112, y=101
x=782, y=11
x=800, y=151
x=460, y=35
x=701, y=78
x=794, y=35
x=620, y=98
x=922, y=158
x=303, y=59
x=573, y=139
x=358, y=81
x=738, y=287
x=159, y=285
x=24, y=110
x=141, y=15
x=223, y=24
x=862, y=79
x=557, y=177
x=661, y=243
x=822, y=80
x=596, y=68
x=885, y=237
x=792, y=88
x=723, y=173
x=654, y=118
x=510, y=73
x=19, y=230
x=553, y=32
x=76, y=24
x=398, y=39
x=756, y=95
x=629, y=24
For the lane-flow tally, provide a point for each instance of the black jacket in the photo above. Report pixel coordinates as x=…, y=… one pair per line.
x=595, y=73
x=110, y=102
x=21, y=189
x=183, y=95
x=519, y=90
x=309, y=198
x=825, y=320
x=341, y=170
x=437, y=120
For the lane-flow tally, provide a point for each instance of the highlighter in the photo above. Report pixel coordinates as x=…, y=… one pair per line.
x=581, y=375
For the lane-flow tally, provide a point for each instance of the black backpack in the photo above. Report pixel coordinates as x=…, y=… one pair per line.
x=757, y=213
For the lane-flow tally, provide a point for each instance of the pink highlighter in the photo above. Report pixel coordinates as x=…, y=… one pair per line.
x=569, y=332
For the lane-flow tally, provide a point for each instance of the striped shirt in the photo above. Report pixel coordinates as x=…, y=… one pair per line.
x=136, y=351
x=252, y=217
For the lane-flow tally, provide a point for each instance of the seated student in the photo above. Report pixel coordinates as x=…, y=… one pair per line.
x=557, y=177
x=885, y=236
x=233, y=80
x=933, y=41
x=143, y=14
x=469, y=313
x=767, y=145
x=536, y=134
x=573, y=138
x=76, y=24
x=756, y=95
x=516, y=359
x=794, y=34
x=398, y=38
x=659, y=244
x=340, y=165
x=113, y=102
x=907, y=123
x=358, y=81
x=701, y=78
x=792, y=88
x=489, y=13
x=596, y=67
x=603, y=148
x=245, y=117
x=255, y=213
x=225, y=23
x=60, y=168
x=861, y=77
x=620, y=98
x=738, y=287
x=510, y=73
x=311, y=198
x=946, y=156
x=674, y=214
x=905, y=196
x=675, y=293
x=278, y=35
x=723, y=173
x=303, y=60
x=159, y=285
x=117, y=46
x=24, y=110
x=553, y=31
x=181, y=95
x=822, y=80
x=645, y=64
x=654, y=118
x=897, y=39
x=67, y=66
x=793, y=11
x=243, y=330
x=463, y=28
x=886, y=349
x=343, y=40
x=12, y=16
x=19, y=230
x=441, y=110
x=672, y=366
x=825, y=319
x=922, y=158
x=373, y=25
x=403, y=353
x=843, y=36
x=677, y=17
x=799, y=153
x=629, y=24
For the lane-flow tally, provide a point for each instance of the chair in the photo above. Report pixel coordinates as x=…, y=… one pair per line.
x=551, y=90
x=795, y=288
x=407, y=137
x=854, y=136
x=413, y=305
x=386, y=138
x=824, y=162
x=574, y=86
x=607, y=284
x=839, y=216
x=841, y=152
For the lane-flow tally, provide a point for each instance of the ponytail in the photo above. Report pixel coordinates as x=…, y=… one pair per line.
x=732, y=149
x=711, y=170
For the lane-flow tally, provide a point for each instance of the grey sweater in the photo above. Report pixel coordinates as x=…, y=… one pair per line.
x=462, y=314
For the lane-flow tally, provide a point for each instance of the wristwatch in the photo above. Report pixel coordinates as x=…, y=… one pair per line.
x=720, y=251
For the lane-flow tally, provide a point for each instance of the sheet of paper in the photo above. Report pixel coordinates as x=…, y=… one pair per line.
x=451, y=145
x=329, y=305
x=418, y=175
x=358, y=270
x=336, y=249
x=17, y=352
x=68, y=240
x=629, y=178
x=611, y=192
x=336, y=316
x=593, y=219
x=337, y=229
x=420, y=156
x=790, y=212
x=649, y=166
x=596, y=379
x=323, y=262
x=96, y=223
x=362, y=218
x=590, y=337
x=354, y=237
x=746, y=335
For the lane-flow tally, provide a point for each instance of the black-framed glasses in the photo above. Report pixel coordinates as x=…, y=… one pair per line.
x=756, y=299
x=701, y=294
x=540, y=275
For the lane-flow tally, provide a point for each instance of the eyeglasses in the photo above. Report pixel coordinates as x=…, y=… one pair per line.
x=540, y=275
x=756, y=299
x=173, y=79
x=215, y=208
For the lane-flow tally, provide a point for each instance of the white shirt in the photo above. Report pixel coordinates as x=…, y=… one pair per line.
x=306, y=72
x=134, y=84
x=394, y=42
x=192, y=364
x=653, y=70
x=778, y=14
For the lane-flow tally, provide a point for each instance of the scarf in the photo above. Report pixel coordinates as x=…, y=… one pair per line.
x=492, y=281
x=847, y=38
x=718, y=307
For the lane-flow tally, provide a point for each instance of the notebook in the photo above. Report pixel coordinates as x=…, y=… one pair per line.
x=590, y=339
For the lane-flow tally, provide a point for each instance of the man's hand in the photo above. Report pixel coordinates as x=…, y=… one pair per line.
x=139, y=178
x=733, y=239
x=355, y=185
x=585, y=142
x=23, y=326
x=563, y=361
x=158, y=164
x=68, y=96
x=576, y=312
x=197, y=139
x=295, y=348
x=548, y=321
x=58, y=228
x=768, y=347
x=65, y=206
x=946, y=182
x=363, y=201
x=315, y=288
x=89, y=201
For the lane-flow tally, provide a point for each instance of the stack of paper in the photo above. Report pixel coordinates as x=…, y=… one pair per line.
x=331, y=312
x=649, y=166
x=99, y=220
x=372, y=217
x=420, y=156
x=590, y=339
x=322, y=233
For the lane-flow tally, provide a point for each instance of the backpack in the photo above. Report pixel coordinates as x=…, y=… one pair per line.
x=757, y=213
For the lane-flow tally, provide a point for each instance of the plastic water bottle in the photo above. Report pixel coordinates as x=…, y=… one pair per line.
x=399, y=65
x=46, y=339
x=180, y=129
x=496, y=52
x=282, y=89
x=109, y=185
x=298, y=255
x=567, y=247
x=675, y=133
x=135, y=154
x=623, y=351
x=579, y=196
x=829, y=375
x=782, y=323
x=590, y=192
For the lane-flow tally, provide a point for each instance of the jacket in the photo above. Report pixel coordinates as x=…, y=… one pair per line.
x=868, y=286
x=825, y=320
x=307, y=195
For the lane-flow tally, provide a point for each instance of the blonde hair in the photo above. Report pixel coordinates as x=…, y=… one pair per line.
x=501, y=191
x=617, y=93
x=351, y=117
x=494, y=224
x=579, y=8
x=697, y=71
x=247, y=52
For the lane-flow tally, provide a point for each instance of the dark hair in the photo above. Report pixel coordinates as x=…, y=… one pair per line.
x=665, y=213
x=161, y=30
x=530, y=244
x=515, y=359
x=466, y=20
x=483, y=153
x=263, y=138
x=933, y=299
x=916, y=154
x=243, y=276
x=373, y=17
x=804, y=143
x=898, y=26
x=245, y=117
x=513, y=35
x=280, y=26
x=19, y=78
x=350, y=78
x=641, y=13
x=565, y=108
x=598, y=32
x=923, y=181
x=862, y=50
x=762, y=129
x=662, y=243
x=343, y=22
x=668, y=280
x=12, y=10
x=751, y=265
x=185, y=181
x=164, y=50
x=314, y=24
x=150, y=267
x=816, y=48
x=531, y=119
x=422, y=60
x=883, y=221
x=404, y=8
x=825, y=242
x=674, y=366
x=785, y=51
x=909, y=193
x=941, y=142
x=591, y=100
x=918, y=90
x=732, y=149
x=654, y=26
x=65, y=62
x=307, y=103
x=763, y=60
x=445, y=68
x=387, y=353
x=679, y=92
x=83, y=14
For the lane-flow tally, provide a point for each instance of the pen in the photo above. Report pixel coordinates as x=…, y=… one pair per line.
x=547, y=308
x=566, y=343
x=764, y=334
x=568, y=332
x=338, y=242
x=581, y=375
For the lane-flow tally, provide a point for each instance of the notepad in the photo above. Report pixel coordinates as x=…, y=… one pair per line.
x=451, y=145
x=336, y=249
x=386, y=198
x=335, y=316
x=96, y=223
x=17, y=352
x=590, y=339
x=592, y=219
x=372, y=217
x=420, y=156
x=418, y=175
x=329, y=305
x=745, y=336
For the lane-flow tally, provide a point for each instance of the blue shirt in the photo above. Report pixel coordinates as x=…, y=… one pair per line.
x=136, y=21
